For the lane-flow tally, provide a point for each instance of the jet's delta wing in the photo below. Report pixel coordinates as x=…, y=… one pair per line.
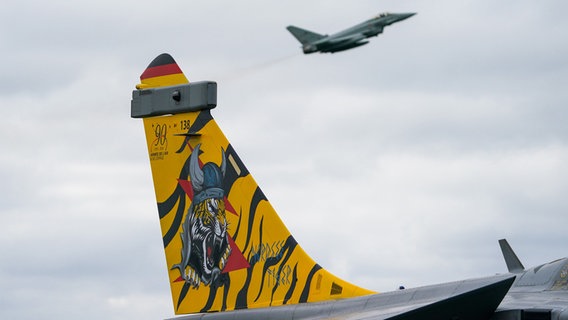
x=346, y=39
x=228, y=253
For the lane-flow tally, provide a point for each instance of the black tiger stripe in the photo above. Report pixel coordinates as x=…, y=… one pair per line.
x=241, y=302
x=164, y=208
x=257, y=197
x=200, y=121
x=306, y=290
x=182, y=294
x=236, y=234
x=226, y=287
x=173, y=229
x=212, y=293
x=288, y=247
x=271, y=261
x=288, y=295
x=222, y=281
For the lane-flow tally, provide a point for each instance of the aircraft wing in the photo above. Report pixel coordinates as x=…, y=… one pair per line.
x=467, y=299
x=470, y=299
x=340, y=43
x=354, y=38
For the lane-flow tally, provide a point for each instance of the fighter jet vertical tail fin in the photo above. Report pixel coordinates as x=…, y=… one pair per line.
x=513, y=263
x=303, y=35
x=226, y=247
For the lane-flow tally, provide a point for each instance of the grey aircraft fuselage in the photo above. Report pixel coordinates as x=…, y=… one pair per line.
x=537, y=293
x=352, y=37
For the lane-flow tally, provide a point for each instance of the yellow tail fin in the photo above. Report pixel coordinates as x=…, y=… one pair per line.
x=226, y=248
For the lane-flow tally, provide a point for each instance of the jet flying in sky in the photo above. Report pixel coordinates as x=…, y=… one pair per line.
x=230, y=256
x=346, y=39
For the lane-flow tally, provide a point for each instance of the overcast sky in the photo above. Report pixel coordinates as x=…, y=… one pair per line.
x=401, y=162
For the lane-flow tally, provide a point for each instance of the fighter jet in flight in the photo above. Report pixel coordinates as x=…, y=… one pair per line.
x=349, y=38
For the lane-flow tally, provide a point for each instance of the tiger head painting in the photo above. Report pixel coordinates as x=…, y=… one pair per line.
x=205, y=241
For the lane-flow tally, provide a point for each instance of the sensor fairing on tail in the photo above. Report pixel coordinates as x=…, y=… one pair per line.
x=346, y=39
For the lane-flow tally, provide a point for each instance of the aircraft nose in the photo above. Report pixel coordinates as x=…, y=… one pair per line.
x=396, y=17
x=402, y=16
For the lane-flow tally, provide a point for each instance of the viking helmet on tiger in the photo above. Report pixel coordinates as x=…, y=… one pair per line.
x=205, y=242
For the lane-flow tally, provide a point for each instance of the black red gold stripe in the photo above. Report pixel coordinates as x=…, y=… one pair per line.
x=159, y=71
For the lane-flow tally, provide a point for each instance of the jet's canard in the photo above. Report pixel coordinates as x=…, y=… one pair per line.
x=346, y=39
x=230, y=256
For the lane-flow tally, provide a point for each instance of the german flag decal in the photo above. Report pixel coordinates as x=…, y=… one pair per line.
x=162, y=72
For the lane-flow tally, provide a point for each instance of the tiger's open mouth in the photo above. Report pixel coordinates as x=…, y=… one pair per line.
x=213, y=251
